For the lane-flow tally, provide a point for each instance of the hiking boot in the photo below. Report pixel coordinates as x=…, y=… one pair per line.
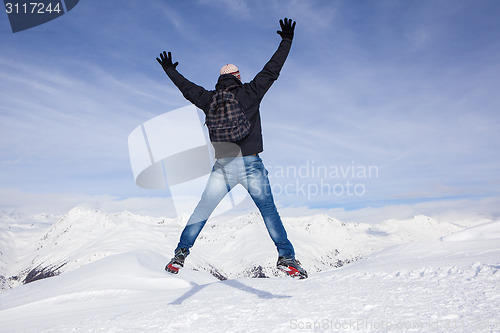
x=177, y=261
x=291, y=267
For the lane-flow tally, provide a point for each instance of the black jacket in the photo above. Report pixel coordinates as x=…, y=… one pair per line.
x=249, y=95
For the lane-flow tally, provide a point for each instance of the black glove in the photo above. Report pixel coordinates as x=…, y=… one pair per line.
x=165, y=61
x=287, y=28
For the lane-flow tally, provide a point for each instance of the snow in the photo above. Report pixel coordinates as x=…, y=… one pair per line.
x=410, y=275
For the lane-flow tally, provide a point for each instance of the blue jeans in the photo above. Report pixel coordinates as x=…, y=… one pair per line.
x=250, y=172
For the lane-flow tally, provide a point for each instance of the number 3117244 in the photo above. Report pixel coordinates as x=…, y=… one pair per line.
x=32, y=8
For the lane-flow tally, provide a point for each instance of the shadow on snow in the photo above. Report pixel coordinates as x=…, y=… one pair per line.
x=231, y=283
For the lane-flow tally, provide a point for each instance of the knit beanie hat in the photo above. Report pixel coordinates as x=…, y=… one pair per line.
x=230, y=69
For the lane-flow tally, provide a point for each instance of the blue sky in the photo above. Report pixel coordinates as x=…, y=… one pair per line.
x=407, y=87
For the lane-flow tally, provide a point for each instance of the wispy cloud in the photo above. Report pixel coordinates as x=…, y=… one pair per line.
x=410, y=88
x=235, y=8
x=426, y=130
x=61, y=127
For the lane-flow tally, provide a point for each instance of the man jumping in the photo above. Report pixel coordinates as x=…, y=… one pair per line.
x=237, y=156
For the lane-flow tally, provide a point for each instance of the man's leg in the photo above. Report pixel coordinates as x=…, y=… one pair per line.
x=217, y=187
x=257, y=184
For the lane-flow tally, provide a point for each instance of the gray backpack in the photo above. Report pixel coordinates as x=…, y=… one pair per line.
x=225, y=118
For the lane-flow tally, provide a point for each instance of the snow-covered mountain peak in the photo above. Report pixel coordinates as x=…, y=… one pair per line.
x=113, y=278
x=228, y=247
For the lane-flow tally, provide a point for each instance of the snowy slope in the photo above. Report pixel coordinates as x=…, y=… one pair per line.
x=227, y=247
x=450, y=284
x=18, y=233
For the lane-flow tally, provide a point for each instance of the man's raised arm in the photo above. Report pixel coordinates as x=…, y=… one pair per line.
x=266, y=77
x=194, y=93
